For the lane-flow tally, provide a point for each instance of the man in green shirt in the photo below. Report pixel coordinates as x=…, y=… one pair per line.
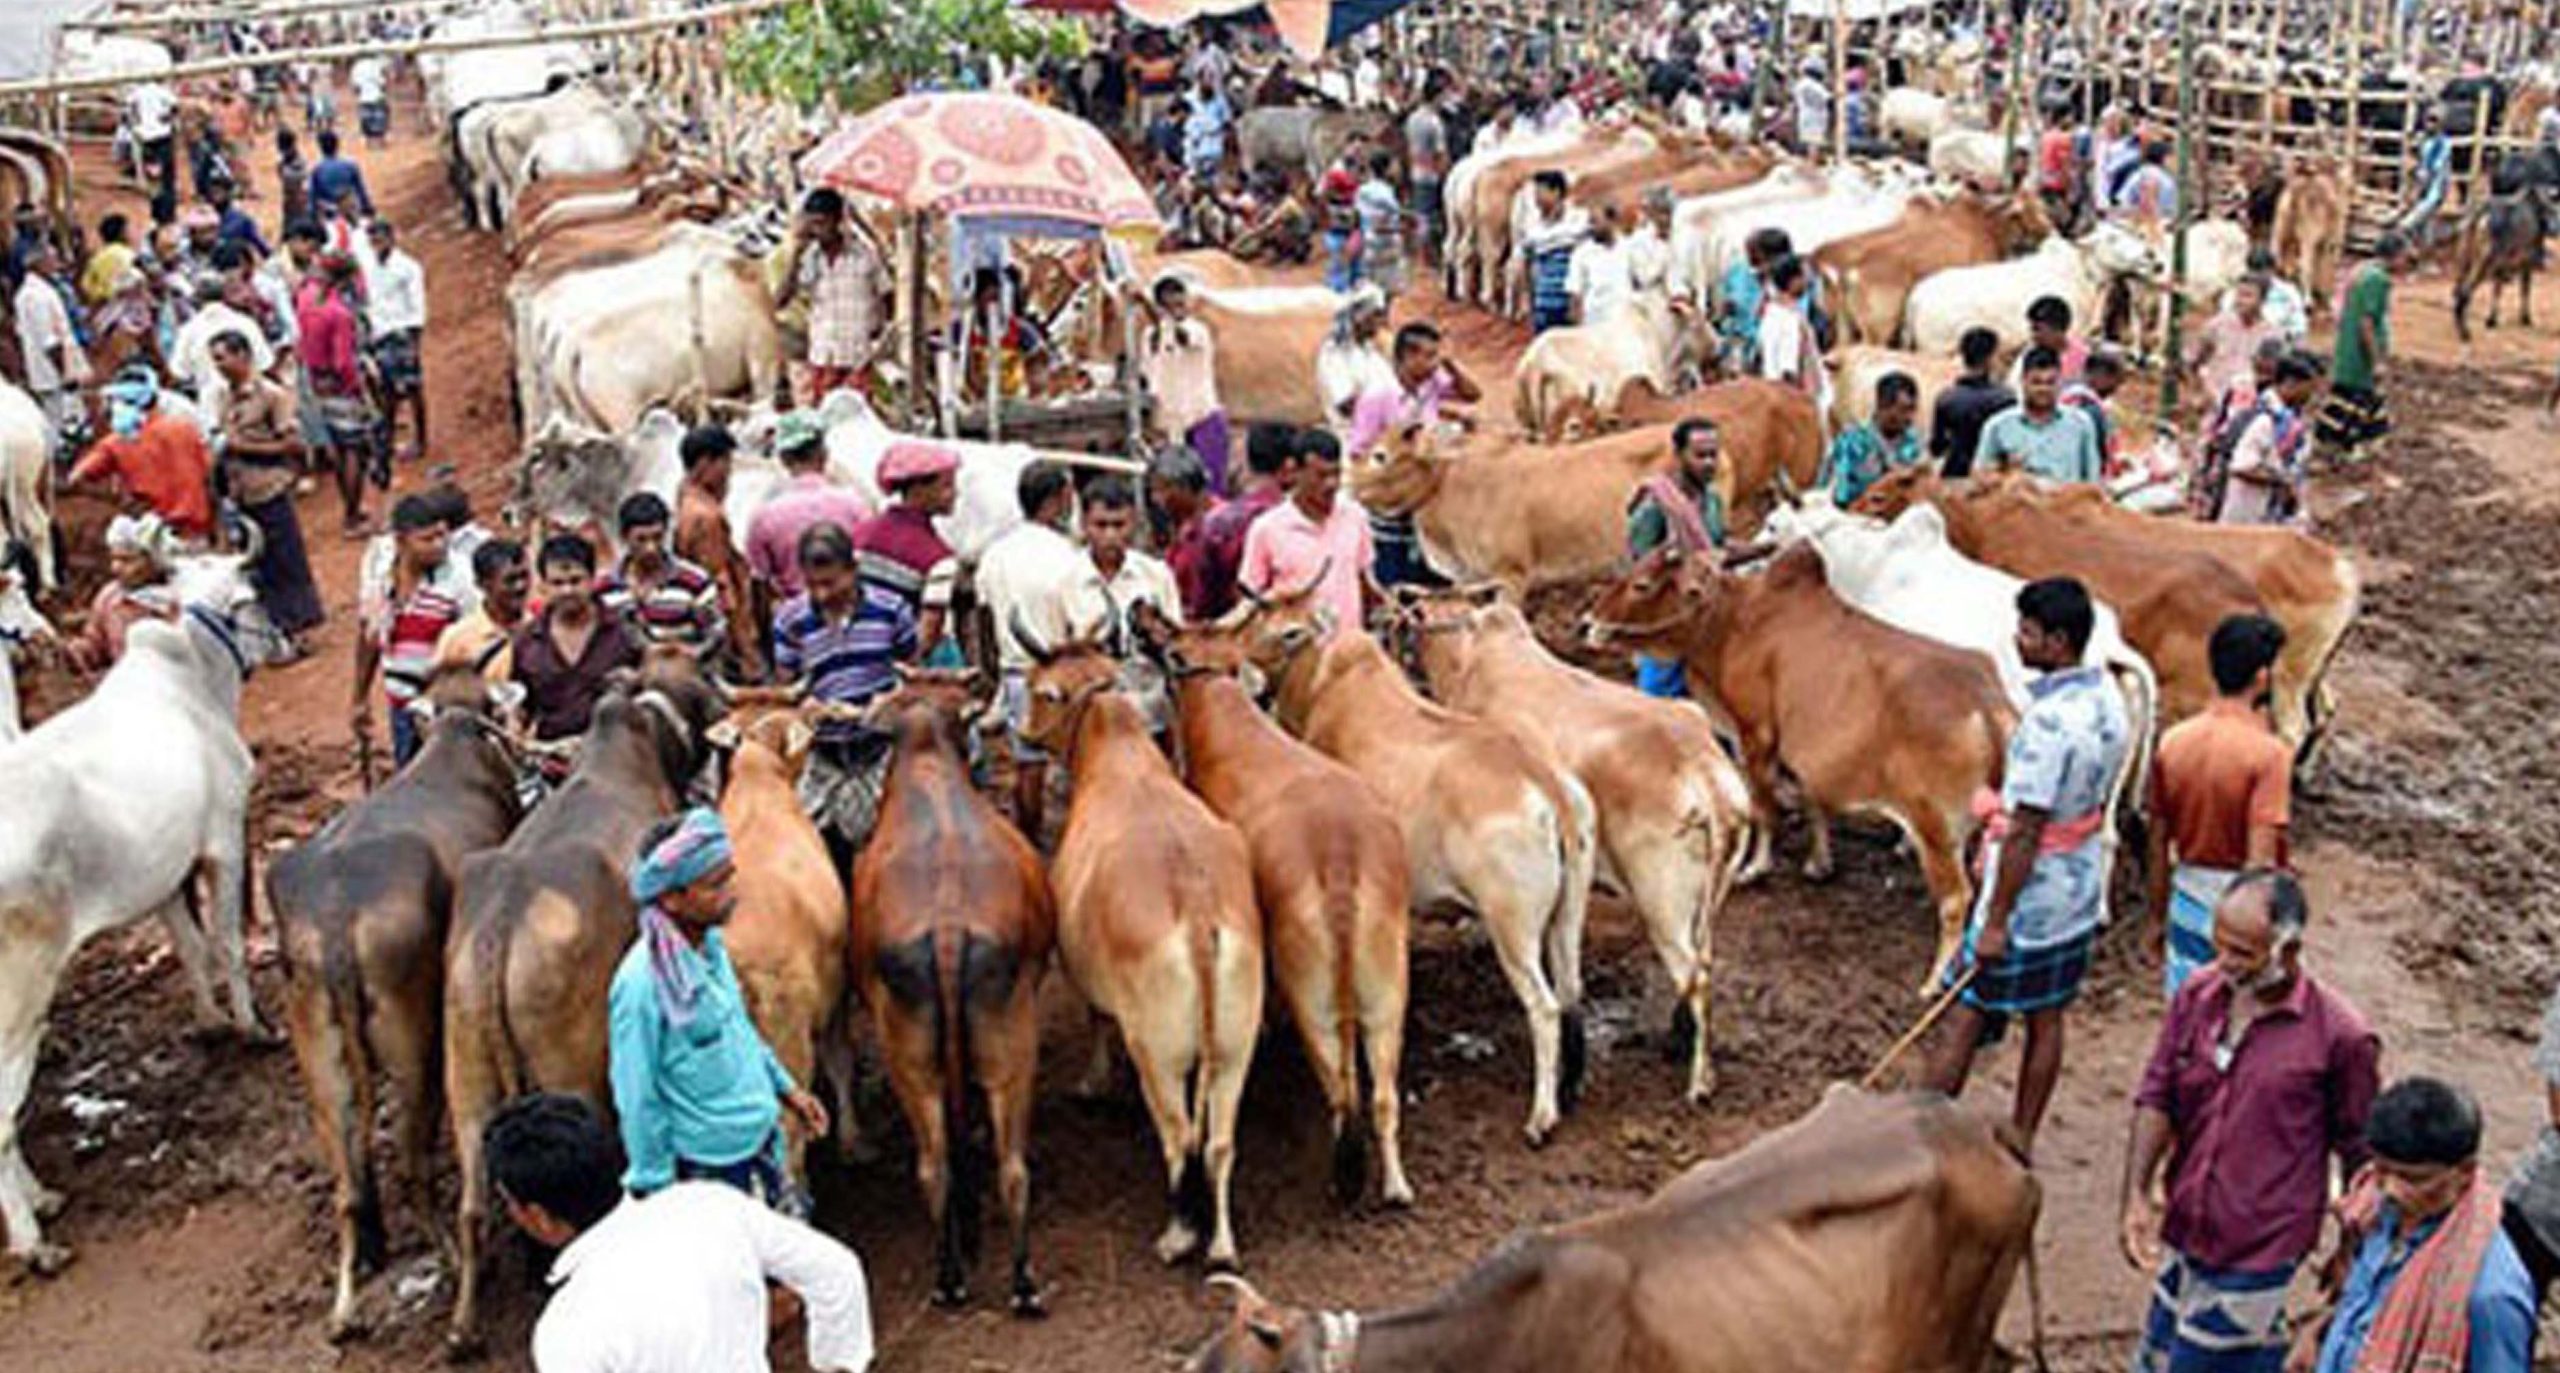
x=1864, y=453
x=2040, y=435
x=2356, y=414
x=1680, y=507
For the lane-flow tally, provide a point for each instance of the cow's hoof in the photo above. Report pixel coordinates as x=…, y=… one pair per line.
x=1753, y=875
x=1027, y=1305
x=464, y=1348
x=348, y=1329
x=1703, y=1087
x=1227, y=1262
x=1398, y=1195
x=47, y=1260
x=1176, y=1243
x=1539, y=1130
x=48, y=1203
x=1818, y=869
x=951, y=1297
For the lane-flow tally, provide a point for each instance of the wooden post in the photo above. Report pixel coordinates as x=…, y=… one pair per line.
x=1839, y=82
x=2176, y=334
x=911, y=293
x=2479, y=149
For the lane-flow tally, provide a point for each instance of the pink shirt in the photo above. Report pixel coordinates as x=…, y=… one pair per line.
x=773, y=534
x=1377, y=412
x=1285, y=551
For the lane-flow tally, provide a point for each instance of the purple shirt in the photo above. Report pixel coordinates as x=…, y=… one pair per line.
x=1221, y=557
x=2251, y=1143
x=1379, y=412
x=773, y=535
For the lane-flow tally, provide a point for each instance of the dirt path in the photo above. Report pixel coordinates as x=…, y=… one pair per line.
x=2432, y=849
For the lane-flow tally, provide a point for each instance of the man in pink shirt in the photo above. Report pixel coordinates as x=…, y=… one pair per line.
x=1313, y=538
x=1426, y=385
x=808, y=499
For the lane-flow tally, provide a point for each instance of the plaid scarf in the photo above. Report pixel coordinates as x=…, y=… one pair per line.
x=2425, y=1322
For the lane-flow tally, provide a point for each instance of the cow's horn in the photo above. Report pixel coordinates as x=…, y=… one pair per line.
x=1030, y=642
x=1235, y=1282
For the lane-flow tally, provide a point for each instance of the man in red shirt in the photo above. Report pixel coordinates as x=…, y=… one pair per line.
x=2221, y=796
x=157, y=456
x=1270, y=451
x=329, y=349
x=899, y=547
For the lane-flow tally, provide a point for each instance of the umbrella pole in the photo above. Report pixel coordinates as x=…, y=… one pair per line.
x=911, y=285
x=1001, y=328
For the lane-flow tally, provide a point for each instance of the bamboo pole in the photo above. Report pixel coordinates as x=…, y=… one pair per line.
x=2176, y=333
x=244, y=14
x=406, y=47
x=1839, y=82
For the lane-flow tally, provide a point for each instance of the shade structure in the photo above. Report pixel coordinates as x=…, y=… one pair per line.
x=984, y=156
x=1307, y=26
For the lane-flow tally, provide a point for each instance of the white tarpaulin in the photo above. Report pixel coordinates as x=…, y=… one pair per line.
x=1858, y=11
x=27, y=32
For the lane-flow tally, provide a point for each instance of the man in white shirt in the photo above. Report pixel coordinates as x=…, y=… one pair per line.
x=673, y=1283
x=56, y=364
x=1022, y=580
x=1813, y=110
x=372, y=80
x=1649, y=246
x=1601, y=275
x=1115, y=577
x=1789, y=351
x=191, y=354
x=395, y=305
x=151, y=108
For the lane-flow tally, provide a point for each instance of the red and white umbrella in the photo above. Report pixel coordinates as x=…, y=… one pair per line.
x=974, y=154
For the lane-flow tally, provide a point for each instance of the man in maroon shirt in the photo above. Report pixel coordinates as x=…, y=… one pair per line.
x=2260, y=1076
x=1178, y=493
x=899, y=547
x=1270, y=454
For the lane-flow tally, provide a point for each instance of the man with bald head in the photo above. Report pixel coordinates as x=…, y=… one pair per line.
x=2261, y=1075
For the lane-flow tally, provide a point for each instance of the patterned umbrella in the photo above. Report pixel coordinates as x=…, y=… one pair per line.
x=977, y=155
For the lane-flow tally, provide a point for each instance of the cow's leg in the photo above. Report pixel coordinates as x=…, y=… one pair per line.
x=180, y=916
x=1760, y=769
x=1325, y=1026
x=1163, y=1081
x=1221, y=1101
x=1517, y=936
x=334, y=1075
x=1818, y=864
x=31, y=959
x=1382, y=1007
x=405, y=1039
x=1007, y=1050
x=1942, y=866
x=2524, y=295
x=1671, y=881
x=907, y=1049
x=226, y=872
x=2497, y=289
x=839, y=1062
x=472, y=1089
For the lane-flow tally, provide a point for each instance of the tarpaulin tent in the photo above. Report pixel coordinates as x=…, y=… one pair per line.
x=30, y=30
x=1307, y=26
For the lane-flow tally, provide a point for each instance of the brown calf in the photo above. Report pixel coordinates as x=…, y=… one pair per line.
x=1870, y=275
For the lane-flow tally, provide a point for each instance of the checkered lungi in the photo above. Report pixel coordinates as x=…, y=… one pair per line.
x=2353, y=416
x=2025, y=981
x=2208, y=1320
x=395, y=356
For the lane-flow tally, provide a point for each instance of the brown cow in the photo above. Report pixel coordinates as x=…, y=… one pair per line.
x=1157, y=924
x=1868, y=718
x=1870, y=275
x=952, y=932
x=361, y=910
x=1329, y=869
x=2311, y=228
x=786, y=938
x=540, y=924
x=2500, y=241
x=1875, y=1233
x=2169, y=599
x=1491, y=822
x=1674, y=813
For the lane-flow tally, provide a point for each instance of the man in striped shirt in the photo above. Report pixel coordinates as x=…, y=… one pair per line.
x=669, y=600
x=399, y=639
x=842, y=638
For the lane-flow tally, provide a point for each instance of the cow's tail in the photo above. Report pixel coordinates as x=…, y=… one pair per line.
x=1192, y=1195
x=1350, y=1145
x=342, y=985
x=1577, y=830
x=1529, y=402
x=1840, y=283
x=951, y=1043
x=2330, y=632
x=698, y=332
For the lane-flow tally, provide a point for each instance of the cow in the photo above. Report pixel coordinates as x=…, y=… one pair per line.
x=1857, y=368
x=1491, y=821
x=1868, y=277
x=361, y=909
x=2311, y=228
x=1876, y=1232
x=116, y=809
x=1488, y=205
x=2170, y=599
x=1995, y=296
x=1823, y=208
x=1267, y=337
x=1973, y=158
x=1695, y=220
x=1570, y=380
x=1909, y=117
x=1158, y=928
x=2500, y=241
x=2217, y=258
x=1674, y=813
x=952, y=932
x=540, y=923
x=1305, y=138
x=503, y=145
x=786, y=938
x=1330, y=872
x=22, y=626
x=1870, y=719
x=26, y=480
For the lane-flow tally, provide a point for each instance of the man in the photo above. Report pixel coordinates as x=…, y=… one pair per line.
x=666, y=598
x=371, y=77
x=1022, y=581
x=1312, y=539
x=2268, y=460
x=1204, y=127
x=2040, y=435
x=2533, y=1195
x=2434, y=176
x=1180, y=362
x=1680, y=507
x=1382, y=252
x=2228, y=343
x=702, y=538
x=335, y=177
x=1649, y=263
x=1431, y=390
x=1426, y=150
x=1115, y=576
x=2425, y=1276
x=231, y=223
x=2043, y=889
x=2094, y=397
x=1270, y=456
x=899, y=547
x=567, y=655
x=1967, y=405
x=806, y=499
x=484, y=639
x=1812, y=109
x=2284, y=305
x=1790, y=351
x=1180, y=502
x=48, y=347
x=2221, y=796
x=399, y=637
x=261, y=446
x=2259, y=1076
x=2049, y=326
x=108, y=261
x=842, y=639
x=844, y=284
x=698, y=1093
x=191, y=360
x=156, y=456
x=395, y=309
x=1864, y=453
x=1600, y=276
x=1556, y=228
x=326, y=323
x=1742, y=290
x=151, y=108
x=2356, y=415
x=674, y=1282
x=2150, y=197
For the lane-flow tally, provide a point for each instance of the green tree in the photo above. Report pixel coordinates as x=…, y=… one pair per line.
x=863, y=52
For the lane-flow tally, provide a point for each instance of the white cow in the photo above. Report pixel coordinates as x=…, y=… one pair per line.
x=21, y=624
x=1971, y=156
x=114, y=810
x=1694, y=221
x=26, y=474
x=1995, y=295
x=2217, y=257
x=1586, y=369
x=603, y=344
x=1852, y=201
x=1909, y=117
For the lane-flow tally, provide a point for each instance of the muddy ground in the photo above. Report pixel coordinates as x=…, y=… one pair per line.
x=2430, y=838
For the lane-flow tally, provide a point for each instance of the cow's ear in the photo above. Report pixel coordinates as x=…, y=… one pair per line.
x=796, y=738
x=723, y=734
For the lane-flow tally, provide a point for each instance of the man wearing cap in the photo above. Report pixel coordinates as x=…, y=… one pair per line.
x=137, y=589
x=807, y=498
x=156, y=455
x=899, y=547
x=698, y=1092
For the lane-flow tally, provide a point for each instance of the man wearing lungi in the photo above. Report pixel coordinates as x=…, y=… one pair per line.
x=2221, y=796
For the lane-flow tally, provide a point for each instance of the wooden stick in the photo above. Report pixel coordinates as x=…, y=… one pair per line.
x=1928, y=1019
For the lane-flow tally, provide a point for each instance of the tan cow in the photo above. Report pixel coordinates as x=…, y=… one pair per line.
x=1571, y=380
x=1869, y=276
x=1875, y=1233
x=1856, y=369
x=2311, y=228
x=1157, y=924
x=1490, y=821
x=787, y=937
x=1674, y=812
x=1329, y=869
x=1485, y=189
x=1869, y=719
x=1267, y=338
x=2170, y=599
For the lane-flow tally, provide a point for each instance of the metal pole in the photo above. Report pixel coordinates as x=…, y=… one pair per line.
x=2176, y=340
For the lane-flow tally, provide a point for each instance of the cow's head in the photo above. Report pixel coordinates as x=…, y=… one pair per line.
x=1262, y=1336
x=569, y=475
x=1064, y=679
x=222, y=606
x=1400, y=474
x=1214, y=648
x=2114, y=250
x=1897, y=491
x=1651, y=606
x=1434, y=632
x=2018, y=221
x=767, y=723
x=944, y=701
x=681, y=704
x=1284, y=628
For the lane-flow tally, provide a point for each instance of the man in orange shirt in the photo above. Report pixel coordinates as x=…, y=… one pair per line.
x=2221, y=795
x=157, y=456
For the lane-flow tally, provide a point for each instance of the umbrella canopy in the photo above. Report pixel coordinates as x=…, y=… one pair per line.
x=983, y=156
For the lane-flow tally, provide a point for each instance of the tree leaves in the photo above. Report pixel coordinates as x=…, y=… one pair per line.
x=862, y=52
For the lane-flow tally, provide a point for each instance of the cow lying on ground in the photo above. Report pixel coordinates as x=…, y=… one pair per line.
x=1875, y=1233
x=1870, y=719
